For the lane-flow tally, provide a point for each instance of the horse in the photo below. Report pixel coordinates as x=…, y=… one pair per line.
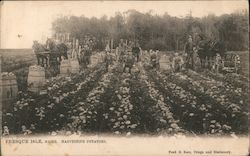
x=203, y=50
x=208, y=49
x=41, y=53
x=58, y=50
x=62, y=47
x=218, y=47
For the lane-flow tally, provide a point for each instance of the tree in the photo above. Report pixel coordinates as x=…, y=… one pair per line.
x=159, y=32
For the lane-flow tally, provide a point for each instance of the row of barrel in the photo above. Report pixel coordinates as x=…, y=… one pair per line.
x=36, y=79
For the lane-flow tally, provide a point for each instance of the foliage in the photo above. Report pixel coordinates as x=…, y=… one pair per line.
x=159, y=32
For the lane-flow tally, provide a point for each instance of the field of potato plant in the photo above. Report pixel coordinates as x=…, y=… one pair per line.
x=147, y=101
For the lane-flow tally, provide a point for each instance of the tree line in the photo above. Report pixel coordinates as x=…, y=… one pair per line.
x=159, y=32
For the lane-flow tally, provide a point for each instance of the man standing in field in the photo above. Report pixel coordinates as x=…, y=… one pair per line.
x=129, y=62
x=177, y=62
x=189, y=52
x=107, y=48
x=85, y=56
x=218, y=63
x=54, y=63
x=108, y=59
x=154, y=59
x=136, y=51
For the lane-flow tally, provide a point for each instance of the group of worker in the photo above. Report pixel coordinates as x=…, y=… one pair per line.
x=85, y=54
x=129, y=54
x=125, y=53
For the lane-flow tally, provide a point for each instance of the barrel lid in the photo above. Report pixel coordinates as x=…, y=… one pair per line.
x=36, y=68
x=8, y=75
x=66, y=61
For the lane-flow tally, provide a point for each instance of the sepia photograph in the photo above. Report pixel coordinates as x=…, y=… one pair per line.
x=113, y=73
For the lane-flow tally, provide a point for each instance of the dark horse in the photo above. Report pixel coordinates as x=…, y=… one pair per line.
x=59, y=50
x=41, y=53
x=207, y=51
x=45, y=52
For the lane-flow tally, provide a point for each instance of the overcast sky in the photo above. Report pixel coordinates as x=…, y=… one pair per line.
x=32, y=19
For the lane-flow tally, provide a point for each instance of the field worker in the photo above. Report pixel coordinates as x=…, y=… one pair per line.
x=153, y=59
x=174, y=60
x=129, y=62
x=91, y=44
x=87, y=55
x=122, y=49
x=81, y=56
x=79, y=50
x=182, y=62
x=157, y=53
x=144, y=55
x=140, y=50
x=177, y=62
x=6, y=130
x=117, y=54
x=190, y=38
x=136, y=52
x=70, y=47
x=129, y=48
x=196, y=58
x=202, y=47
x=108, y=59
x=120, y=53
x=54, y=64
x=150, y=52
x=107, y=48
x=218, y=62
x=189, y=51
x=73, y=53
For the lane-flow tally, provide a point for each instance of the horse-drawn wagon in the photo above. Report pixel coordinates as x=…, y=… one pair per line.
x=50, y=55
x=213, y=55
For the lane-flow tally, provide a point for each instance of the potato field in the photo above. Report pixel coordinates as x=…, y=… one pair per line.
x=146, y=102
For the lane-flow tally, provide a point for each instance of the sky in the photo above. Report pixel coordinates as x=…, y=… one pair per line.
x=32, y=19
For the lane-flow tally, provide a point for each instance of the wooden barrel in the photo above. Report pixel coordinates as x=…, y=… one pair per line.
x=101, y=57
x=9, y=90
x=36, y=78
x=65, y=68
x=74, y=66
x=165, y=63
x=94, y=60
